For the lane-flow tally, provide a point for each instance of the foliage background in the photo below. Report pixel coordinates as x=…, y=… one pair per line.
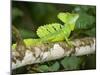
x=28, y=16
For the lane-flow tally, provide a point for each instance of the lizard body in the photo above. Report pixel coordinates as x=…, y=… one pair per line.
x=55, y=32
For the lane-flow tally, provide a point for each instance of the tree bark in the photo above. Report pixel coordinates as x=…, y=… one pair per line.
x=52, y=51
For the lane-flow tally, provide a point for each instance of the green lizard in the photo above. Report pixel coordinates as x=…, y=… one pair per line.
x=54, y=32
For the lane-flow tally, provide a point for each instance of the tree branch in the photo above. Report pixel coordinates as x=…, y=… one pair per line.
x=52, y=51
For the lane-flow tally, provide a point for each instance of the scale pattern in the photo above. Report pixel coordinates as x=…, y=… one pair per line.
x=48, y=29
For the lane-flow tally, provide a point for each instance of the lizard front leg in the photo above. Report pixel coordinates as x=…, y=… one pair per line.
x=68, y=42
x=70, y=45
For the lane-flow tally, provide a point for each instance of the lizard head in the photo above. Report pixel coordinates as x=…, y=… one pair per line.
x=68, y=18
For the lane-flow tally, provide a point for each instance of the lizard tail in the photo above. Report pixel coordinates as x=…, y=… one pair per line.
x=29, y=42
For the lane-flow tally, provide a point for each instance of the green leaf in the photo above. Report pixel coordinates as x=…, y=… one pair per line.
x=25, y=33
x=54, y=67
x=46, y=13
x=43, y=68
x=84, y=21
x=72, y=63
x=16, y=12
x=91, y=61
x=91, y=32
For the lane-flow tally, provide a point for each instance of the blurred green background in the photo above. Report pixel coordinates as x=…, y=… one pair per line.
x=28, y=16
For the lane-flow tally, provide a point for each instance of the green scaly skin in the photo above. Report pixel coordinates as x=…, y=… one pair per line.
x=54, y=32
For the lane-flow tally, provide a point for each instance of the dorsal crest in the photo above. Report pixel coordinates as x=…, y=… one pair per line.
x=48, y=29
